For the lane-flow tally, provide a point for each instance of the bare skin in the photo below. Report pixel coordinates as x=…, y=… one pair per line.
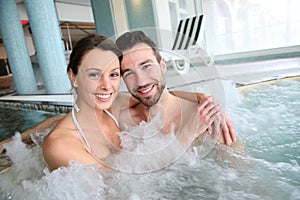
x=97, y=83
x=185, y=116
x=66, y=135
x=144, y=79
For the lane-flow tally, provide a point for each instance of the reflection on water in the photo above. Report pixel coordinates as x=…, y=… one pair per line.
x=13, y=120
x=266, y=121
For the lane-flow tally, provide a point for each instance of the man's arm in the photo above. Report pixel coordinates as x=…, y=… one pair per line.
x=191, y=96
x=224, y=121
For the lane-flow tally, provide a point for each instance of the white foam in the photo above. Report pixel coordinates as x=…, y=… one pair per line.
x=145, y=149
x=29, y=178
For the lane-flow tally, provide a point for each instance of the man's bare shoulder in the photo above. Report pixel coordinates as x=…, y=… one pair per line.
x=130, y=115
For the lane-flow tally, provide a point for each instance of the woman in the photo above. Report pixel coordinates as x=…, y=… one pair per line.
x=88, y=133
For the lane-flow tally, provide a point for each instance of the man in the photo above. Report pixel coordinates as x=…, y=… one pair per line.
x=143, y=71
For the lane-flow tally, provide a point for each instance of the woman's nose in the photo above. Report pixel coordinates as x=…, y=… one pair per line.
x=104, y=83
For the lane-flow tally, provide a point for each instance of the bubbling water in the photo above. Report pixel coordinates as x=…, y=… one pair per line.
x=29, y=178
x=146, y=149
x=225, y=173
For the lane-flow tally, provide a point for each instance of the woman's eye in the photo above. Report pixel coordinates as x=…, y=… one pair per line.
x=115, y=74
x=94, y=75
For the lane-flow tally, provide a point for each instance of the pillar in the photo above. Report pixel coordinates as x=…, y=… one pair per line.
x=103, y=17
x=48, y=43
x=15, y=47
x=140, y=15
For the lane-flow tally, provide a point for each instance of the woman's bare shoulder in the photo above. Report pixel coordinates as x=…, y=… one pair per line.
x=62, y=145
x=63, y=131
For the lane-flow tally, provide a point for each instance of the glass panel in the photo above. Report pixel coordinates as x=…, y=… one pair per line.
x=173, y=16
x=240, y=26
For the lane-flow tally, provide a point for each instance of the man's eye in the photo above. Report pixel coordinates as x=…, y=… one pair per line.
x=127, y=74
x=146, y=66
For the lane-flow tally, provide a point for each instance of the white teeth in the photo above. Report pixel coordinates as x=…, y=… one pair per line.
x=145, y=91
x=103, y=96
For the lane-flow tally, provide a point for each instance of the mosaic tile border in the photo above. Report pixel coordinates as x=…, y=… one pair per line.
x=42, y=106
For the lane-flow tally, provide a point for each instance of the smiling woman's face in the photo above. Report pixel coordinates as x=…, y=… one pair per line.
x=98, y=79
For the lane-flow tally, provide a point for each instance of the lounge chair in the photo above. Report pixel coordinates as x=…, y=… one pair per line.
x=189, y=44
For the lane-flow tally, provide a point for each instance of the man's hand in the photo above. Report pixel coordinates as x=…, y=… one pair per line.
x=221, y=124
x=224, y=124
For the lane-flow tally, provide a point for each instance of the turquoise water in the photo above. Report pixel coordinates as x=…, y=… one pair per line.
x=270, y=122
x=266, y=121
x=13, y=120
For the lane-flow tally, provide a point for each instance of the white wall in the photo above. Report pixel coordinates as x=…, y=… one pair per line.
x=161, y=9
x=66, y=12
x=120, y=16
x=74, y=13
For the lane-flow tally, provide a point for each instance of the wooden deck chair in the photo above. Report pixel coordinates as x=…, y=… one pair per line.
x=189, y=43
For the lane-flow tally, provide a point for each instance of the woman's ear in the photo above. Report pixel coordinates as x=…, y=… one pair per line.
x=163, y=65
x=72, y=77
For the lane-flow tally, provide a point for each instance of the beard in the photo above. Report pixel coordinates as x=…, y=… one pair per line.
x=150, y=101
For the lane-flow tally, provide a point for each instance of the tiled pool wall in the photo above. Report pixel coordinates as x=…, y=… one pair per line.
x=42, y=106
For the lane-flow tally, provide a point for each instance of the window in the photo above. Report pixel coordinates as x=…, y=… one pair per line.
x=241, y=26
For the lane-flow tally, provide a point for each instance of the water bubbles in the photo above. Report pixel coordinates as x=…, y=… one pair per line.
x=270, y=170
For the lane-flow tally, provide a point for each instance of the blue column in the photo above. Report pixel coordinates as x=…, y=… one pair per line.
x=103, y=17
x=15, y=47
x=140, y=16
x=48, y=43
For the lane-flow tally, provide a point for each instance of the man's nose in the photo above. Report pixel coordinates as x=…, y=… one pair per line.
x=141, y=78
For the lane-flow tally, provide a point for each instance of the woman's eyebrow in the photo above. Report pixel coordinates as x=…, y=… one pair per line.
x=117, y=68
x=97, y=69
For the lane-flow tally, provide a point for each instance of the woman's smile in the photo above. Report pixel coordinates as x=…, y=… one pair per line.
x=103, y=97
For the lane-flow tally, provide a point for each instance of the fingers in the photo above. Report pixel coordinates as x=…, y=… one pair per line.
x=226, y=135
x=230, y=129
x=216, y=130
x=201, y=106
x=213, y=118
x=208, y=107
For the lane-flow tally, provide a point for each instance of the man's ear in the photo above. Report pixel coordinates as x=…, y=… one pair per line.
x=72, y=77
x=163, y=65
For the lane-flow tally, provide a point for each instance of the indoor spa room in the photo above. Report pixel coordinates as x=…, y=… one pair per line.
x=149, y=99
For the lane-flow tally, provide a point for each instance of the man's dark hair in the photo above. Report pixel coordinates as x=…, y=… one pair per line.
x=130, y=39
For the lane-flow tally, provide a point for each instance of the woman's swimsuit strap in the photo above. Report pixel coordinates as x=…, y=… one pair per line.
x=80, y=131
x=113, y=117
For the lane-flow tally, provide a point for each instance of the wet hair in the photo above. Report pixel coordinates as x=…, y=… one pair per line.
x=85, y=45
x=130, y=39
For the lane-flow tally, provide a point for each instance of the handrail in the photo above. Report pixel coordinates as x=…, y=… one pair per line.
x=67, y=22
